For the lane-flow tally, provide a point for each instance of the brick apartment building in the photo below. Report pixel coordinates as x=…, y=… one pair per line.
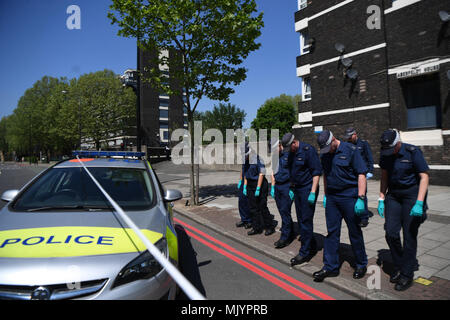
x=160, y=113
x=374, y=65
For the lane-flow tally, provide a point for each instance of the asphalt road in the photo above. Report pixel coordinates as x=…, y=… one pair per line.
x=223, y=269
x=219, y=267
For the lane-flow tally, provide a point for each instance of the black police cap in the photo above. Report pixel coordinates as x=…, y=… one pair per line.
x=324, y=141
x=388, y=140
x=287, y=140
x=349, y=132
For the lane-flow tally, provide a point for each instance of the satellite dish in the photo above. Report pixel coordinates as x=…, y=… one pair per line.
x=346, y=62
x=339, y=47
x=311, y=41
x=352, y=74
x=445, y=17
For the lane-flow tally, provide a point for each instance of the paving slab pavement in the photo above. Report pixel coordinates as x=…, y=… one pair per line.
x=219, y=210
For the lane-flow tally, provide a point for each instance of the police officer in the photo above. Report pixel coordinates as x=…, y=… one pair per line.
x=345, y=188
x=281, y=192
x=366, y=153
x=256, y=189
x=244, y=209
x=305, y=172
x=403, y=194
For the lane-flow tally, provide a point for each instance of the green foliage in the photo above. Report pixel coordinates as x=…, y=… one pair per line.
x=222, y=117
x=49, y=115
x=277, y=113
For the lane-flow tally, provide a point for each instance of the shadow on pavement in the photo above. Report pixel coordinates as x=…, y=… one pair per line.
x=188, y=264
x=224, y=190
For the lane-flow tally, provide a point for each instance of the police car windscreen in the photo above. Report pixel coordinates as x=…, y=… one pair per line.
x=72, y=189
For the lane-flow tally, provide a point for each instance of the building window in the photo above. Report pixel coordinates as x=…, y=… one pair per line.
x=304, y=42
x=166, y=135
x=163, y=102
x=163, y=124
x=163, y=114
x=302, y=4
x=306, y=88
x=422, y=99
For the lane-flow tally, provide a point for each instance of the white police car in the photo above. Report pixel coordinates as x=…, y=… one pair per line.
x=61, y=239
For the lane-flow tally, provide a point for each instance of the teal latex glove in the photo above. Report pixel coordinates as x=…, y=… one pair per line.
x=381, y=208
x=244, y=191
x=272, y=192
x=291, y=194
x=359, y=207
x=312, y=198
x=257, y=191
x=417, y=210
x=324, y=201
x=239, y=184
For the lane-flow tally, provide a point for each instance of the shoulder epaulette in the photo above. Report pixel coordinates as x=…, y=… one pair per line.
x=410, y=148
x=306, y=148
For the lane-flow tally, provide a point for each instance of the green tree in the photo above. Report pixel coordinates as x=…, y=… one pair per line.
x=277, y=113
x=96, y=107
x=207, y=40
x=224, y=116
x=32, y=121
x=3, y=138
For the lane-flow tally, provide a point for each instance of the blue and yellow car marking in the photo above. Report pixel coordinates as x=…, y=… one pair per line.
x=58, y=242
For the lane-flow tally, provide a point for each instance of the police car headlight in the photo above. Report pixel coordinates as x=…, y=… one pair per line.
x=145, y=266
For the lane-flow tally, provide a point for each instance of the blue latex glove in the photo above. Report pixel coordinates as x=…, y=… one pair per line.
x=324, y=201
x=369, y=175
x=257, y=191
x=381, y=208
x=312, y=198
x=272, y=192
x=359, y=207
x=291, y=194
x=245, y=190
x=417, y=210
x=239, y=184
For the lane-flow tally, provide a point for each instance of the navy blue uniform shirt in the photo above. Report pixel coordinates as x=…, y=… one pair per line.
x=281, y=173
x=305, y=165
x=256, y=166
x=245, y=167
x=341, y=169
x=404, y=168
x=366, y=153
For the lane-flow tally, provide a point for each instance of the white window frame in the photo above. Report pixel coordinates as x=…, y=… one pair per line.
x=304, y=37
x=306, y=95
x=302, y=4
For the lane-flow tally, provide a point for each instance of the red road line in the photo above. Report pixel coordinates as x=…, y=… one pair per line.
x=258, y=271
x=261, y=264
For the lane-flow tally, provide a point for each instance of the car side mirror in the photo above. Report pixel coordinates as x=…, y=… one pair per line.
x=172, y=195
x=9, y=195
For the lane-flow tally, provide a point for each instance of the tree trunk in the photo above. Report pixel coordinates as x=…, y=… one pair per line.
x=192, y=181
x=197, y=201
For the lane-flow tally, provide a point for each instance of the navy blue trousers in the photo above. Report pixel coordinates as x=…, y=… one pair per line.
x=338, y=208
x=398, y=205
x=305, y=218
x=244, y=208
x=284, y=205
x=261, y=216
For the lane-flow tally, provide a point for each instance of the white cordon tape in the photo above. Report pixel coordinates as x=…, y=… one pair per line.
x=184, y=284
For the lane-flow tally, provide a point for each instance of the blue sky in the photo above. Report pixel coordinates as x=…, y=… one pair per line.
x=36, y=42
